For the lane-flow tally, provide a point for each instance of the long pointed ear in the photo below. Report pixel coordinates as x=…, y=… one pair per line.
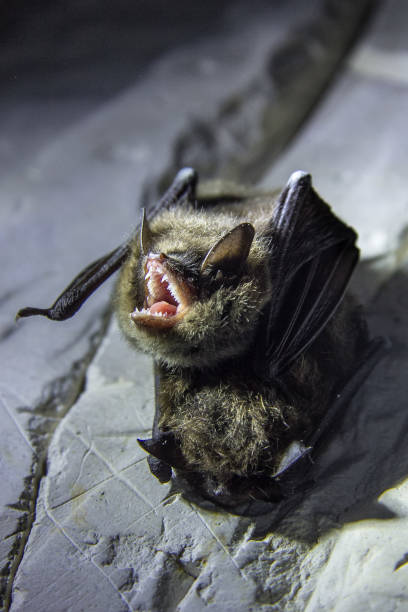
x=92, y=277
x=231, y=252
x=145, y=234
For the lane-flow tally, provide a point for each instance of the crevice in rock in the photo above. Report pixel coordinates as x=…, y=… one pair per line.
x=128, y=581
x=57, y=399
x=403, y=561
x=7, y=331
x=252, y=127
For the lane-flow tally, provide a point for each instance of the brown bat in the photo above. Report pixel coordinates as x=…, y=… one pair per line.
x=239, y=296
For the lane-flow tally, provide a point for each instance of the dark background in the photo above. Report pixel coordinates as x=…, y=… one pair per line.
x=95, y=47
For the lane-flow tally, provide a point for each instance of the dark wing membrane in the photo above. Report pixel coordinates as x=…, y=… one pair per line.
x=313, y=257
x=310, y=301
x=71, y=299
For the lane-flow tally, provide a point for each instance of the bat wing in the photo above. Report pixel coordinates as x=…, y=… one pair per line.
x=313, y=257
x=73, y=296
x=88, y=280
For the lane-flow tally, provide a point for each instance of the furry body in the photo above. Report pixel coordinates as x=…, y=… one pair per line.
x=238, y=297
x=228, y=420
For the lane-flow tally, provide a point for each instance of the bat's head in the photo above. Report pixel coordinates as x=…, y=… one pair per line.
x=193, y=288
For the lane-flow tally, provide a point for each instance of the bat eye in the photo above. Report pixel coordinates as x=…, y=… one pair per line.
x=229, y=254
x=145, y=235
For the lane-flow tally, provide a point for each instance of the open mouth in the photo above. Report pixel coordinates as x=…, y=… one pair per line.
x=168, y=296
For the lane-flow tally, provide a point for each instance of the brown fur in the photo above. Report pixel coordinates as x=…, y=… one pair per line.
x=226, y=419
x=229, y=422
x=216, y=328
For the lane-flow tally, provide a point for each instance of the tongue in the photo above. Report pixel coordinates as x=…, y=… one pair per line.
x=163, y=308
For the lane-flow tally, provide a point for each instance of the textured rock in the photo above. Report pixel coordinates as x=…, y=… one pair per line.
x=107, y=535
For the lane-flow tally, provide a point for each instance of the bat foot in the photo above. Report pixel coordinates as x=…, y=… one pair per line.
x=161, y=470
x=164, y=453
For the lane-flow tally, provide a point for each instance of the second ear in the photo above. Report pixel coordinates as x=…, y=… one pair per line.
x=230, y=252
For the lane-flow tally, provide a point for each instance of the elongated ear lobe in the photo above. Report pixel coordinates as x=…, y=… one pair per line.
x=231, y=252
x=145, y=235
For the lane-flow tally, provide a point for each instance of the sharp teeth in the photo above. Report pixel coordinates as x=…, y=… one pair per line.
x=144, y=311
x=173, y=292
x=139, y=311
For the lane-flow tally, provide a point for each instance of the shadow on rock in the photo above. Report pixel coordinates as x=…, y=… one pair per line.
x=368, y=452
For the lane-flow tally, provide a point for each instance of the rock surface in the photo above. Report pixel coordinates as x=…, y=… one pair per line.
x=106, y=534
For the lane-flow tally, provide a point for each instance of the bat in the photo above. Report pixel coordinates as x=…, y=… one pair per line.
x=240, y=298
